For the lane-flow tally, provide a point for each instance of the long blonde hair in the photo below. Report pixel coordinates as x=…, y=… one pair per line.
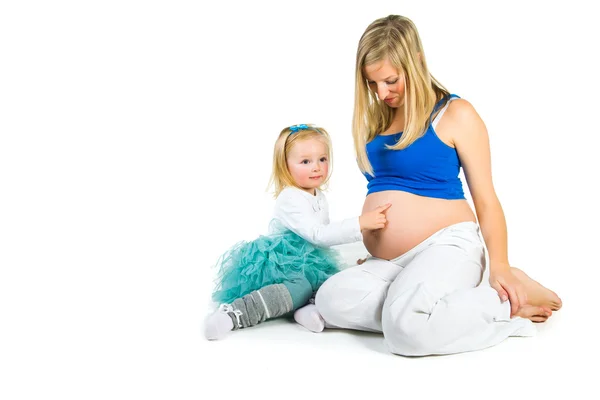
x=396, y=39
x=280, y=176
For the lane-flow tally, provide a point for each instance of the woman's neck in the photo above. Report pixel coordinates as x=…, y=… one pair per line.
x=398, y=118
x=398, y=121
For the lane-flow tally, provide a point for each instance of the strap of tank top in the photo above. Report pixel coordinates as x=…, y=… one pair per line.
x=443, y=110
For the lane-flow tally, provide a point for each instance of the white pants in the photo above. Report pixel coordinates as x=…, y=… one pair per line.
x=427, y=301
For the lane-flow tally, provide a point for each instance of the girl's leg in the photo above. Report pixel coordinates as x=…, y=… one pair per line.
x=435, y=306
x=269, y=302
x=353, y=298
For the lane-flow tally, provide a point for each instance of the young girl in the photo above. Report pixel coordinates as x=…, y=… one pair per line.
x=276, y=274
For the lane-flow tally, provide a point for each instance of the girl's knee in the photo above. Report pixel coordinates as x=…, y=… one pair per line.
x=300, y=290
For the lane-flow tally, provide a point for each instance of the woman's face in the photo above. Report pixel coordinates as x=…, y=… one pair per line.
x=387, y=82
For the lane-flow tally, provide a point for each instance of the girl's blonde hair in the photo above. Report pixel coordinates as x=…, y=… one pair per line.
x=281, y=177
x=396, y=39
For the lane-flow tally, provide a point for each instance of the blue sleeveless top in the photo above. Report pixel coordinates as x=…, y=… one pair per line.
x=428, y=167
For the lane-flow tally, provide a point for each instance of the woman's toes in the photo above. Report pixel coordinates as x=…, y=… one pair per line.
x=534, y=313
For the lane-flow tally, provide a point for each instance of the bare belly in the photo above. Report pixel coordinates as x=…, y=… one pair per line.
x=410, y=220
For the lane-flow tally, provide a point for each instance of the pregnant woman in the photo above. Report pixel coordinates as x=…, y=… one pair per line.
x=421, y=287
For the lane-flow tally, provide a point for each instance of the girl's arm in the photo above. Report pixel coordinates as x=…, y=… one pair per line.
x=296, y=213
x=471, y=140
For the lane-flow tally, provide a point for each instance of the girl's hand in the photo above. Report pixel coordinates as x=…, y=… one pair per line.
x=374, y=219
x=509, y=287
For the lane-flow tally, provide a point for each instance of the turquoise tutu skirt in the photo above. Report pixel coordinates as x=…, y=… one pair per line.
x=270, y=259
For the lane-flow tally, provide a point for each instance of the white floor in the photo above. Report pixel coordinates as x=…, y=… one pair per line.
x=281, y=359
x=133, y=330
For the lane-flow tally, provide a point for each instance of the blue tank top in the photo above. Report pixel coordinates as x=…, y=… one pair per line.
x=428, y=167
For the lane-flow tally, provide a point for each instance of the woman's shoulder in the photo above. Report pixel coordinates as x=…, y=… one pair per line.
x=460, y=123
x=461, y=111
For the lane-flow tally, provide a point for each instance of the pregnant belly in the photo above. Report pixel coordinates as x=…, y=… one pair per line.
x=410, y=220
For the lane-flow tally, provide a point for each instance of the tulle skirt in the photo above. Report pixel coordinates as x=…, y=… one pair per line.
x=270, y=259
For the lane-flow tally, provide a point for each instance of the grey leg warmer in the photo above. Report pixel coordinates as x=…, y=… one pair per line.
x=266, y=303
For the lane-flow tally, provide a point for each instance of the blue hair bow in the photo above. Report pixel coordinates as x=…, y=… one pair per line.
x=296, y=128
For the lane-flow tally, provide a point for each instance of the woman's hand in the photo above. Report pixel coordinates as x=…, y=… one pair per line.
x=508, y=286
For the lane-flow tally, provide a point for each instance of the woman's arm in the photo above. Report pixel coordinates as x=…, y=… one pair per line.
x=470, y=137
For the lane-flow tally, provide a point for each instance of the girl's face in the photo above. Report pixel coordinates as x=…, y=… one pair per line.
x=308, y=163
x=385, y=80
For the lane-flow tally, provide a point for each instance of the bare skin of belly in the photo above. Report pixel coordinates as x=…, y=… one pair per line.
x=410, y=220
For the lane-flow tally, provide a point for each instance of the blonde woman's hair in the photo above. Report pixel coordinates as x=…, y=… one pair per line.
x=396, y=39
x=280, y=176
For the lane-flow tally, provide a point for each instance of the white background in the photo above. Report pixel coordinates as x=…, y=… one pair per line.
x=135, y=148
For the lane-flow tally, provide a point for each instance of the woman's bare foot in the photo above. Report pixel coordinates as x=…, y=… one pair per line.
x=537, y=295
x=534, y=313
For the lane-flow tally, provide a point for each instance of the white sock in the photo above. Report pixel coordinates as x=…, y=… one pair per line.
x=309, y=317
x=217, y=325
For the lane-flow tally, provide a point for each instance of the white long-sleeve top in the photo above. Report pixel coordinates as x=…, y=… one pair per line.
x=308, y=217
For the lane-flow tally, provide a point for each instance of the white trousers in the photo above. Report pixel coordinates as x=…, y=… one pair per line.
x=427, y=301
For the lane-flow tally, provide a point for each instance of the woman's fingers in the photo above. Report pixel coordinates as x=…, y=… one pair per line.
x=501, y=292
x=514, y=300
